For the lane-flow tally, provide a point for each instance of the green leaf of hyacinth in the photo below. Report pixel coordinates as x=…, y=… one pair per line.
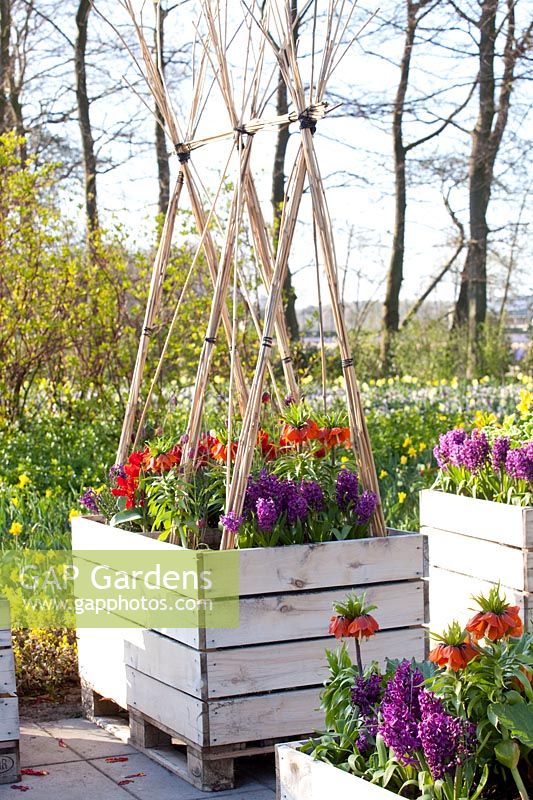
x=517, y=718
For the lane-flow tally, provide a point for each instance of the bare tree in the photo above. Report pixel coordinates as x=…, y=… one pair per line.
x=13, y=47
x=82, y=98
x=494, y=102
x=5, y=64
x=390, y=321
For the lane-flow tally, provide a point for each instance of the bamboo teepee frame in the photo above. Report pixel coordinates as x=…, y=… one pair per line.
x=183, y=148
x=276, y=28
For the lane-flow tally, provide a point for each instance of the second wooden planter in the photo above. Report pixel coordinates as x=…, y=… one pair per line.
x=224, y=691
x=474, y=545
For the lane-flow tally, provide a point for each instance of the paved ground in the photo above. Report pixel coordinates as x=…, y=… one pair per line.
x=75, y=754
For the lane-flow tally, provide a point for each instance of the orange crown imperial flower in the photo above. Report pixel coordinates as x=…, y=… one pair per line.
x=497, y=618
x=353, y=618
x=455, y=648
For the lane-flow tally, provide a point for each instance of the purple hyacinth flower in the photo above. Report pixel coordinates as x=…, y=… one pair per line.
x=231, y=521
x=366, y=692
x=446, y=741
x=88, y=499
x=519, y=463
x=313, y=495
x=366, y=505
x=267, y=513
x=295, y=504
x=449, y=449
x=500, y=448
x=346, y=489
x=400, y=713
x=475, y=451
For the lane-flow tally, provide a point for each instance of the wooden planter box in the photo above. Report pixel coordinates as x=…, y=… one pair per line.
x=473, y=545
x=223, y=690
x=9, y=715
x=300, y=777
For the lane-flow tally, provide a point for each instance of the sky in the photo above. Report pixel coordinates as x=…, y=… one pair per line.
x=354, y=154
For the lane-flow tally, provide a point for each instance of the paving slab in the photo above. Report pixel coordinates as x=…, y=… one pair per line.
x=157, y=783
x=86, y=739
x=78, y=769
x=74, y=780
x=38, y=747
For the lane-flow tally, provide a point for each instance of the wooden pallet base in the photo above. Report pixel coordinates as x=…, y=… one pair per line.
x=211, y=769
x=9, y=762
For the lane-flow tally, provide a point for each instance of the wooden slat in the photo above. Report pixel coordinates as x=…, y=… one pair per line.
x=101, y=661
x=9, y=719
x=450, y=597
x=300, y=777
x=90, y=535
x=176, y=710
x=9, y=762
x=281, y=666
x=486, y=560
x=7, y=662
x=481, y=519
x=8, y=684
x=167, y=661
x=244, y=719
x=305, y=615
x=359, y=561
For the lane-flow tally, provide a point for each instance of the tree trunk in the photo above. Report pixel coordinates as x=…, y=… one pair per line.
x=471, y=305
x=163, y=166
x=82, y=98
x=5, y=64
x=390, y=320
x=278, y=195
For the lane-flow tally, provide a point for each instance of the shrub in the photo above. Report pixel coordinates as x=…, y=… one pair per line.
x=46, y=660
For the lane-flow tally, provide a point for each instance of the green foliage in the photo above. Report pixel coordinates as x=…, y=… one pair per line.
x=46, y=661
x=428, y=349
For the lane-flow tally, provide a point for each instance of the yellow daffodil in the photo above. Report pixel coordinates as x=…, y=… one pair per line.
x=48, y=493
x=401, y=497
x=74, y=513
x=23, y=481
x=403, y=460
x=411, y=452
x=383, y=473
x=344, y=459
x=406, y=441
x=15, y=501
x=422, y=446
x=526, y=401
x=15, y=529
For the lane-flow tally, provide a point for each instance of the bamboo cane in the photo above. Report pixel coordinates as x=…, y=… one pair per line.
x=152, y=307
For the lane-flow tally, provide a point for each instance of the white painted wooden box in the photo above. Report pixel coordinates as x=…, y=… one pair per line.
x=474, y=544
x=300, y=777
x=220, y=687
x=9, y=715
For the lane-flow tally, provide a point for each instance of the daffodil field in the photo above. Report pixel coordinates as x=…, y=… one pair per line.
x=64, y=444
